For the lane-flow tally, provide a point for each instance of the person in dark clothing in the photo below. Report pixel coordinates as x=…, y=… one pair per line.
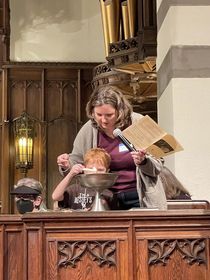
x=74, y=196
x=28, y=195
x=172, y=186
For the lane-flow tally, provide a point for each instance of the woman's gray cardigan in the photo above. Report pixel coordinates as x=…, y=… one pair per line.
x=149, y=186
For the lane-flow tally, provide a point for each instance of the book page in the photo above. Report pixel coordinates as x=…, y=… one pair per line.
x=147, y=134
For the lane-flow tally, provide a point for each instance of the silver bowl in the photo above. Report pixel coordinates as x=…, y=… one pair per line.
x=97, y=181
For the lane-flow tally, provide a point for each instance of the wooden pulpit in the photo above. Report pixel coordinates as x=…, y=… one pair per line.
x=115, y=245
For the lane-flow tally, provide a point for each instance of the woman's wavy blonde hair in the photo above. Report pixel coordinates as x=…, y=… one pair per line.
x=113, y=96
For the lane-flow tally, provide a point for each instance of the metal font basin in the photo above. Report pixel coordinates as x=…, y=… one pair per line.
x=97, y=181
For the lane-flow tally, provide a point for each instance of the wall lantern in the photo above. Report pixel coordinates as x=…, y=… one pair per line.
x=24, y=132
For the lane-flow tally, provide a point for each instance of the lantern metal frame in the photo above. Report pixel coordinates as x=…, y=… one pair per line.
x=24, y=133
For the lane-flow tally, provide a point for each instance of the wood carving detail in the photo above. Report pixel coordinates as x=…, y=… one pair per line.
x=70, y=252
x=101, y=69
x=129, y=44
x=193, y=251
x=61, y=85
x=26, y=84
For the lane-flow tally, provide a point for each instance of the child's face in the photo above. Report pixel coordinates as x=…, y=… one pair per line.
x=97, y=167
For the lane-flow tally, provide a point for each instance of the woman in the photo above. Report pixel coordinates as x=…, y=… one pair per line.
x=138, y=182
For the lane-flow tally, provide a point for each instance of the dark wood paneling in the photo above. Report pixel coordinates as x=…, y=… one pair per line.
x=86, y=78
x=4, y=31
x=56, y=98
x=12, y=248
x=62, y=118
x=34, y=240
x=1, y=144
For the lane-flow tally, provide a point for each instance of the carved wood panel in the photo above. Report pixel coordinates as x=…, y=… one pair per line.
x=113, y=245
x=101, y=252
x=173, y=258
x=62, y=119
x=54, y=97
x=193, y=251
x=96, y=254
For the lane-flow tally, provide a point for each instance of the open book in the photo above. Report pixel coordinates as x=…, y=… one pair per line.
x=147, y=134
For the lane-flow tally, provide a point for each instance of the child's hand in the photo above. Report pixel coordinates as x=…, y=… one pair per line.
x=76, y=169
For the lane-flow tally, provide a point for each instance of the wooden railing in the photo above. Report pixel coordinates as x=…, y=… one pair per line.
x=117, y=245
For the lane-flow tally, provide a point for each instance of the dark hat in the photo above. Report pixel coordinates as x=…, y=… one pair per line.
x=25, y=190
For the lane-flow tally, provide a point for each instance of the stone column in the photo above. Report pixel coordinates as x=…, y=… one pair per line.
x=183, y=67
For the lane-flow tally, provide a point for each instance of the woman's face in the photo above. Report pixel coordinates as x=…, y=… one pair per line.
x=105, y=116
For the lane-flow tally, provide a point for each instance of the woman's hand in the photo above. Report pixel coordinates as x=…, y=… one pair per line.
x=63, y=161
x=139, y=156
